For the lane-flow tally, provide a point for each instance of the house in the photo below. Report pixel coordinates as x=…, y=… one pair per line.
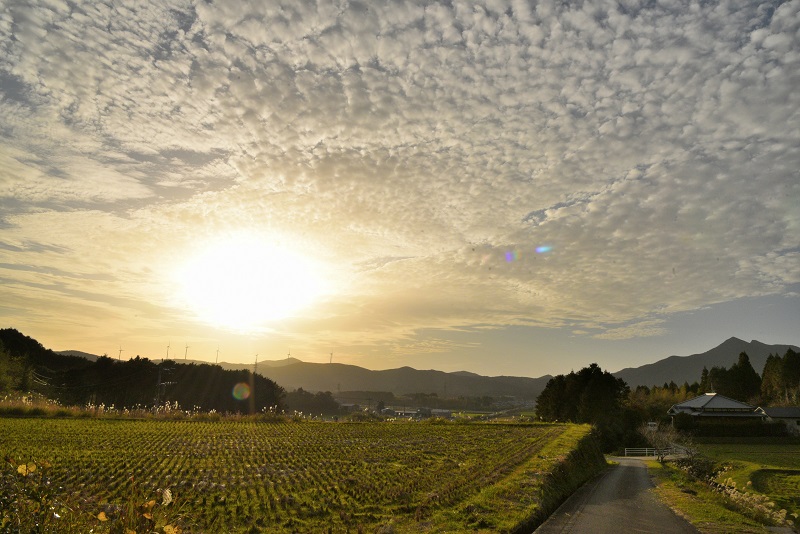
x=717, y=408
x=788, y=415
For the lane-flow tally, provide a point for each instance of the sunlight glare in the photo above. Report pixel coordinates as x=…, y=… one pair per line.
x=243, y=282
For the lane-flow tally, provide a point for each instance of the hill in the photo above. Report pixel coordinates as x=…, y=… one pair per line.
x=680, y=369
x=75, y=379
x=291, y=373
x=225, y=365
x=79, y=354
x=405, y=380
x=34, y=353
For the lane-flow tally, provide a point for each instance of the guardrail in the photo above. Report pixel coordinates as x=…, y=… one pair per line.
x=647, y=451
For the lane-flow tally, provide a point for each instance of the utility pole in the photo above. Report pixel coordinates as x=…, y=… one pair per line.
x=253, y=387
x=119, y=356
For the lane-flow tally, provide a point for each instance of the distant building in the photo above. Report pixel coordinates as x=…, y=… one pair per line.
x=788, y=415
x=396, y=411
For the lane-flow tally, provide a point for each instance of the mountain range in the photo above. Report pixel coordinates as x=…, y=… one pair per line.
x=291, y=374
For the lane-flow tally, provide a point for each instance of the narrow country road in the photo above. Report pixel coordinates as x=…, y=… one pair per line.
x=617, y=501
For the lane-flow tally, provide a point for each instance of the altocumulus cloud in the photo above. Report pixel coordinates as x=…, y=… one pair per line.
x=650, y=148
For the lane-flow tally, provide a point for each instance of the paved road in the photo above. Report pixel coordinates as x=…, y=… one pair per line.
x=619, y=501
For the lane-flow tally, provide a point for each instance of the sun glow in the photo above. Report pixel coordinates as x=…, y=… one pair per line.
x=245, y=281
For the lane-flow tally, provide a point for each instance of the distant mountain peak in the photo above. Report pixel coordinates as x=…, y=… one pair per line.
x=464, y=373
x=733, y=339
x=680, y=369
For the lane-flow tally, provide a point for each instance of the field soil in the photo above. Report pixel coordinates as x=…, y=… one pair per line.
x=245, y=476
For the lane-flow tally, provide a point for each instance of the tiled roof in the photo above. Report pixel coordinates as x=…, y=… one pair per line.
x=714, y=404
x=713, y=401
x=787, y=412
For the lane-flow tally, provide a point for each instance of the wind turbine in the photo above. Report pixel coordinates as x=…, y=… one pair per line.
x=186, y=352
x=119, y=356
x=168, y=344
x=217, y=360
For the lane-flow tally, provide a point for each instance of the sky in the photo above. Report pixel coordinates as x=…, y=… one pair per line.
x=503, y=187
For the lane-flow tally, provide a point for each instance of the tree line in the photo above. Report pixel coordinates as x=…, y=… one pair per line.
x=779, y=384
x=26, y=365
x=594, y=396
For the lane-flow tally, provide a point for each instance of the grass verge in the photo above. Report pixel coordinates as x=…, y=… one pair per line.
x=523, y=500
x=769, y=466
x=707, y=510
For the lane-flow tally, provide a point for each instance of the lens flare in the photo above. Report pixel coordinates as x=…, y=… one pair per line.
x=544, y=248
x=241, y=391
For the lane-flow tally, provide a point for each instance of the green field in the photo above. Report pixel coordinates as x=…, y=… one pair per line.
x=237, y=476
x=770, y=466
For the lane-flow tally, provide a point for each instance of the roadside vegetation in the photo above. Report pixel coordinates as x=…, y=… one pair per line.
x=730, y=484
x=693, y=499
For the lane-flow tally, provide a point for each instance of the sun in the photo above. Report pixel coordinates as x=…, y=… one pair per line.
x=245, y=281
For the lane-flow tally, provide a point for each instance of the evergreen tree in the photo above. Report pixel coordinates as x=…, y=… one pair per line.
x=705, y=382
x=791, y=376
x=772, y=382
x=740, y=381
x=588, y=396
x=748, y=383
x=9, y=371
x=552, y=399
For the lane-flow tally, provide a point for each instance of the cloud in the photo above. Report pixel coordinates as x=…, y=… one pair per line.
x=652, y=147
x=636, y=330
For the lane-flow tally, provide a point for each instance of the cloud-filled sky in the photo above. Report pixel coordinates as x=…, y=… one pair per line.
x=505, y=187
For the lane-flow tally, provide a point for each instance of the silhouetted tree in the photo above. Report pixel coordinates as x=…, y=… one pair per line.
x=312, y=403
x=791, y=376
x=740, y=381
x=9, y=371
x=551, y=404
x=772, y=380
x=589, y=396
x=705, y=383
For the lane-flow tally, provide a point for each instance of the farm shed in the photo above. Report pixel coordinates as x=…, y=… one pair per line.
x=788, y=415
